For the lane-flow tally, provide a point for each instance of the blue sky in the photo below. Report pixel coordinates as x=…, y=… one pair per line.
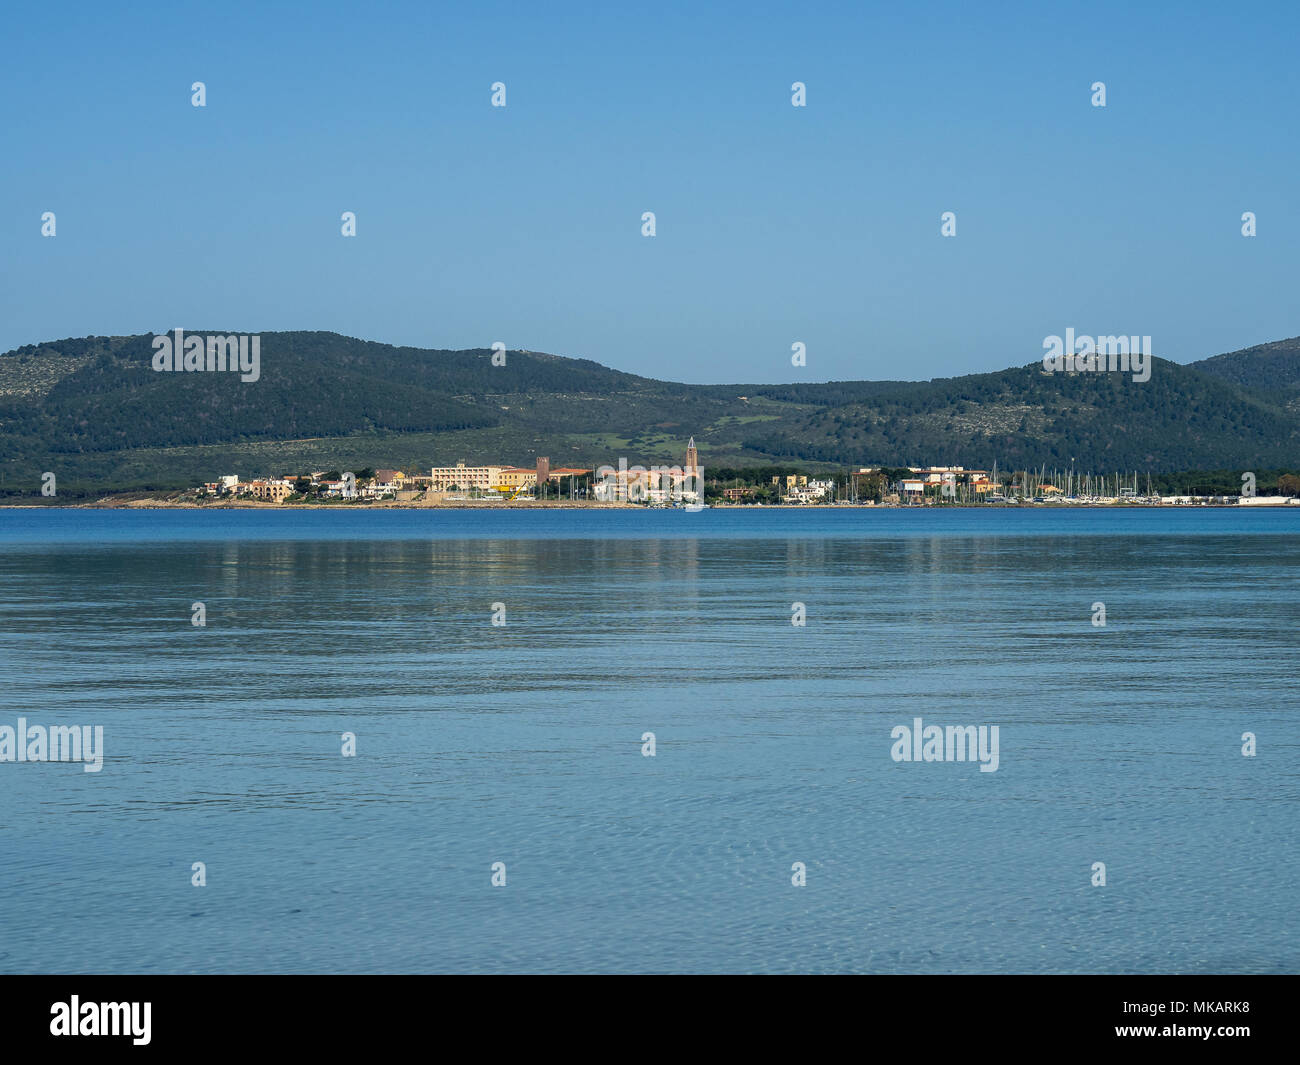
x=775, y=224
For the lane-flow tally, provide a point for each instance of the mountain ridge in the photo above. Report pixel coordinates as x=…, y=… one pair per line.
x=95, y=410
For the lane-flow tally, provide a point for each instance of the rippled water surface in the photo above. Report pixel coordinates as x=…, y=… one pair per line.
x=522, y=744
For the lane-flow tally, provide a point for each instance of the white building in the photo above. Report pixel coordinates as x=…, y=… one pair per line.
x=636, y=484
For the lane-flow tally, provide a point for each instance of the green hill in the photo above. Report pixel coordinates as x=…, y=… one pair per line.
x=1270, y=368
x=95, y=412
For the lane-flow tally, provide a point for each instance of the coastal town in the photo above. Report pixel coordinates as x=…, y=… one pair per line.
x=685, y=485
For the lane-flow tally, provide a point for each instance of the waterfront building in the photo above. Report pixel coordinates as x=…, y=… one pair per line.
x=271, y=490
x=516, y=477
x=464, y=478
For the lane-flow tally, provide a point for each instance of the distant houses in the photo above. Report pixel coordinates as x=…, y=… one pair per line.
x=542, y=481
x=487, y=481
x=655, y=485
x=798, y=489
x=506, y=481
x=945, y=482
x=685, y=485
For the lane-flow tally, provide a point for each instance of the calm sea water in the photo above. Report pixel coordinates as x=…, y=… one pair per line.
x=522, y=744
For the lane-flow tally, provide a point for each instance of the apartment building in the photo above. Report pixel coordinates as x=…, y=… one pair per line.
x=464, y=478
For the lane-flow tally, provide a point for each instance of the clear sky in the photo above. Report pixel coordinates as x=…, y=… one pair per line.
x=775, y=224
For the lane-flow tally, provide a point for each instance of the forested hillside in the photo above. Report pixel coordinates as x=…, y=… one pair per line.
x=94, y=411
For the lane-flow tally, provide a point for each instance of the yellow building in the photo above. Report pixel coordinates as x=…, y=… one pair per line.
x=271, y=491
x=516, y=477
x=460, y=476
